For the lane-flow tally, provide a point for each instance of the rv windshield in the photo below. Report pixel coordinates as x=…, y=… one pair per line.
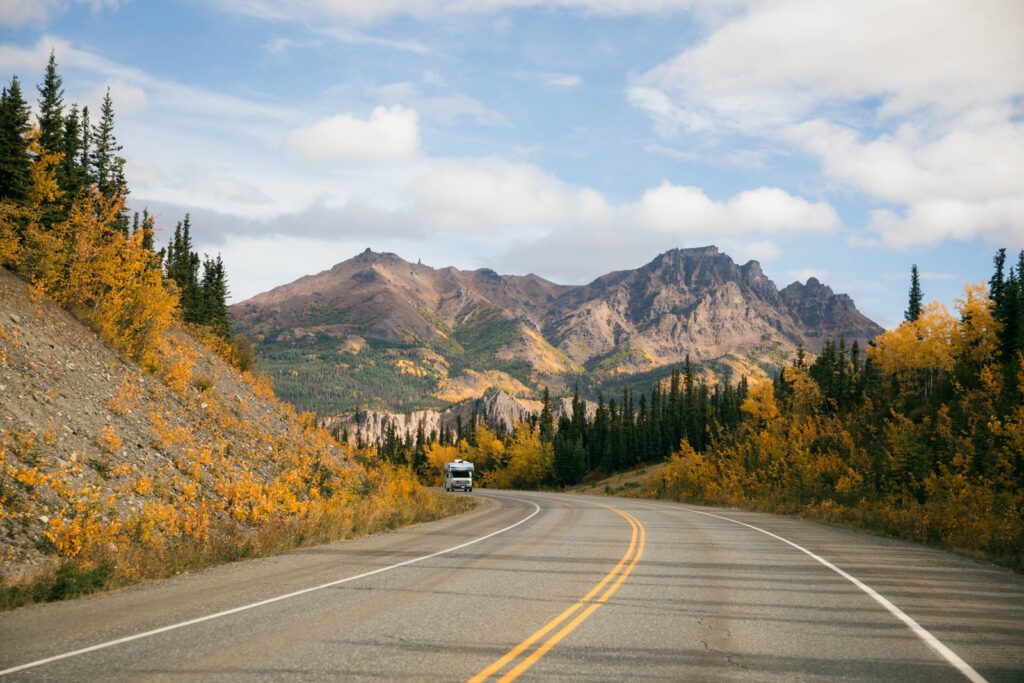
x=461, y=474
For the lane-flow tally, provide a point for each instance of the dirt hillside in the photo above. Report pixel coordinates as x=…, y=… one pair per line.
x=100, y=460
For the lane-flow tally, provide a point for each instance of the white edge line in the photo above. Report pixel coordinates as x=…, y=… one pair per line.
x=253, y=605
x=934, y=643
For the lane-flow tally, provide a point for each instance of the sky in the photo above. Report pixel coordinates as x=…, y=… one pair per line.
x=569, y=138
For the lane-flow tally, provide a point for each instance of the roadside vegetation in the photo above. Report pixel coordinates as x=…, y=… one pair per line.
x=244, y=475
x=922, y=440
x=920, y=436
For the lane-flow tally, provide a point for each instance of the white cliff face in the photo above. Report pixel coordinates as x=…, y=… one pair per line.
x=496, y=409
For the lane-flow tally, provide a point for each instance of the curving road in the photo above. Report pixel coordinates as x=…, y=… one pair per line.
x=551, y=587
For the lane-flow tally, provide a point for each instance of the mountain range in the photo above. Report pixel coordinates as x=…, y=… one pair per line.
x=377, y=331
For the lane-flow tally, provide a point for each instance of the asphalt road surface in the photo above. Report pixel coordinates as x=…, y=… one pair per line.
x=551, y=587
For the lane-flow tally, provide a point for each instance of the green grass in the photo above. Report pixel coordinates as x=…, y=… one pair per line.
x=69, y=581
x=607, y=364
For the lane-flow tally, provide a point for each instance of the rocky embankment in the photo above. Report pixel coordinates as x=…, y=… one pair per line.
x=93, y=447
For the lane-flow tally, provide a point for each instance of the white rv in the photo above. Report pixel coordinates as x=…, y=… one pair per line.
x=458, y=475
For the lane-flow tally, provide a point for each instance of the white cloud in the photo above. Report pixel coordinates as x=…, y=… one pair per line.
x=668, y=117
x=765, y=210
x=281, y=45
x=965, y=161
x=491, y=193
x=198, y=183
x=360, y=11
x=129, y=99
x=783, y=59
x=747, y=250
x=445, y=108
x=458, y=107
x=389, y=134
x=739, y=158
x=503, y=24
x=21, y=12
x=915, y=104
x=198, y=104
x=560, y=80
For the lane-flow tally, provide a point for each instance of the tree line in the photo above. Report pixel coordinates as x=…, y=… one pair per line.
x=587, y=442
x=63, y=197
x=919, y=435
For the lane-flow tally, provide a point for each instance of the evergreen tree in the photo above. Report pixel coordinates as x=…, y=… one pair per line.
x=673, y=424
x=181, y=264
x=568, y=465
x=51, y=108
x=915, y=298
x=691, y=410
x=547, y=423
x=148, y=227
x=72, y=177
x=1020, y=302
x=213, y=295
x=15, y=162
x=997, y=282
x=611, y=463
x=599, y=436
x=85, y=148
x=1005, y=296
x=419, y=451
x=578, y=425
x=107, y=163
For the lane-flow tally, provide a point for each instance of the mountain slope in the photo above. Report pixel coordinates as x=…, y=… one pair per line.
x=377, y=331
x=119, y=473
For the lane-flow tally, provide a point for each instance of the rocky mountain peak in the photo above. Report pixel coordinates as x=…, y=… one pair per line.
x=825, y=313
x=462, y=331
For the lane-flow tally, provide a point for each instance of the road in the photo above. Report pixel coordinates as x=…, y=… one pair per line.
x=551, y=587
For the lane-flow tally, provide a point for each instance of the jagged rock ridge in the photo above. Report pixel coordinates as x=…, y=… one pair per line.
x=457, y=333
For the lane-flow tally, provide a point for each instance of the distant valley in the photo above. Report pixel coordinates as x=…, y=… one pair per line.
x=379, y=332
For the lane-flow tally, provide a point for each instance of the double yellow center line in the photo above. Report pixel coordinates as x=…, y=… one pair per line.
x=576, y=614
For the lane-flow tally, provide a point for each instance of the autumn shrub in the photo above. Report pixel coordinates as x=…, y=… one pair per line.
x=931, y=450
x=108, y=440
x=234, y=477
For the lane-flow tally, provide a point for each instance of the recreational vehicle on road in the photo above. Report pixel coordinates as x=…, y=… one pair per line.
x=458, y=475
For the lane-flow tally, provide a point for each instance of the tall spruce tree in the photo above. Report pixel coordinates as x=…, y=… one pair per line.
x=214, y=295
x=72, y=176
x=181, y=264
x=107, y=163
x=547, y=423
x=85, y=148
x=1020, y=302
x=15, y=162
x=1003, y=292
x=915, y=298
x=51, y=108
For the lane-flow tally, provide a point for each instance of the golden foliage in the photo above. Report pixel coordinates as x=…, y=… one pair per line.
x=915, y=352
x=127, y=395
x=108, y=440
x=760, y=405
x=975, y=338
x=527, y=462
x=946, y=476
x=268, y=479
x=166, y=434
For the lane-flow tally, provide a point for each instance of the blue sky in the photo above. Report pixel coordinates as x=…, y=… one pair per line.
x=567, y=138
